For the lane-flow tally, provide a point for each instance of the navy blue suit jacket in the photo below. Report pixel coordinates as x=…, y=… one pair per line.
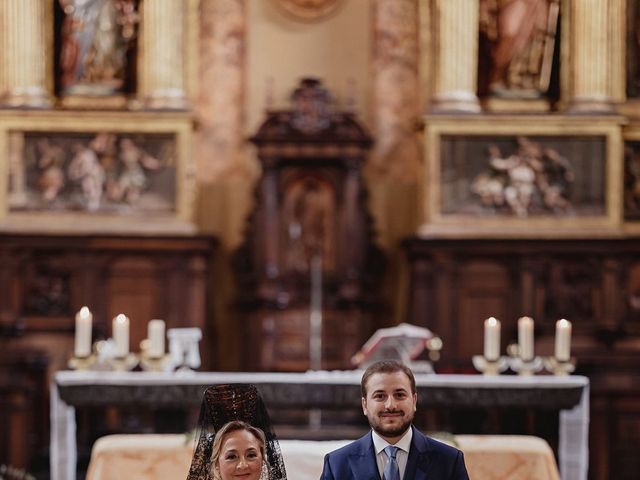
x=428, y=459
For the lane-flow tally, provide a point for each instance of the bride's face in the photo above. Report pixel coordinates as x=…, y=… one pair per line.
x=240, y=456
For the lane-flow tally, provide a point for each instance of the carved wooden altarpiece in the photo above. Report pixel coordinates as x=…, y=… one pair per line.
x=309, y=248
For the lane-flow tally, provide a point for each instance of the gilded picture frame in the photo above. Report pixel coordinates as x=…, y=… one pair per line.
x=516, y=176
x=78, y=172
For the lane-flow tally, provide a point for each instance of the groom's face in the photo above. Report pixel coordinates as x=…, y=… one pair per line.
x=389, y=404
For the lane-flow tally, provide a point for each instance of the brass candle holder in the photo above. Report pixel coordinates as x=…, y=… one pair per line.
x=82, y=363
x=123, y=364
x=489, y=367
x=559, y=367
x=156, y=364
x=525, y=367
x=522, y=367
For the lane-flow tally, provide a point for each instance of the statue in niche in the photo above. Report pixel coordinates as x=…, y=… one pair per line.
x=96, y=37
x=309, y=215
x=532, y=179
x=519, y=37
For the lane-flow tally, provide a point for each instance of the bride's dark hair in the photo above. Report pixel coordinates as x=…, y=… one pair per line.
x=222, y=404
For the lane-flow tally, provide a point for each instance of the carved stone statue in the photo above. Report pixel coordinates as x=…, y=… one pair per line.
x=519, y=36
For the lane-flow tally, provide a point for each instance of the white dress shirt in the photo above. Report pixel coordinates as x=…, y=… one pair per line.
x=404, y=444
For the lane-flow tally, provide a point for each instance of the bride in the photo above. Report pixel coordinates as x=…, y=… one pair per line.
x=235, y=437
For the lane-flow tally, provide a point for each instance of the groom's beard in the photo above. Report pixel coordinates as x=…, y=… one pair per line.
x=380, y=424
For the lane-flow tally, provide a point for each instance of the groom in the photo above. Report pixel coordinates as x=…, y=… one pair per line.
x=394, y=449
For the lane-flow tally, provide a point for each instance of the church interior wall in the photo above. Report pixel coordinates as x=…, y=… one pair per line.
x=415, y=74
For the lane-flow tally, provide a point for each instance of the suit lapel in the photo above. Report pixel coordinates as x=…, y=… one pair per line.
x=363, y=462
x=419, y=460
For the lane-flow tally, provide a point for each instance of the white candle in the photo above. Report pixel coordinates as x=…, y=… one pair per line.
x=155, y=333
x=84, y=320
x=525, y=338
x=563, y=340
x=120, y=328
x=491, y=339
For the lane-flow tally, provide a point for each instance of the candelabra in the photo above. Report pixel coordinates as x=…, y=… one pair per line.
x=523, y=367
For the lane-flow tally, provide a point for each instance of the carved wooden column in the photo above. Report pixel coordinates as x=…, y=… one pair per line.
x=351, y=254
x=162, y=70
x=270, y=218
x=456, y=55
x=23, y=67
x=589, y=45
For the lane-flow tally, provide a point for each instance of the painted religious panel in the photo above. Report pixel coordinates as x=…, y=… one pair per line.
x=95, y=51
x=103, y=171
x=523, y=176
x=532, y=176
x=120, y=171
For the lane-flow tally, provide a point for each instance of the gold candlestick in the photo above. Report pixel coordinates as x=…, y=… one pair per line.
x=559, y=367
x=82, y=363
x=155, y=364
x=525, y=367
x=489, y=367
x=123, y=364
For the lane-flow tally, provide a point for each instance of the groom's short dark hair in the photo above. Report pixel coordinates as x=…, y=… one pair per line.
x=386, y=366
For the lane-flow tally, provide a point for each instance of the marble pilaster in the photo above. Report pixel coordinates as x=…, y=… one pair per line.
x=220, y=110
x=396, y=103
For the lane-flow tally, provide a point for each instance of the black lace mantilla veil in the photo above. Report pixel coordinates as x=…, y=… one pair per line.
x=222, y=404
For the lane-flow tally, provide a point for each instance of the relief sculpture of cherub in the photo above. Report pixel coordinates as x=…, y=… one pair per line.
x=86, y=169
x=132, y=177
x=50, y=164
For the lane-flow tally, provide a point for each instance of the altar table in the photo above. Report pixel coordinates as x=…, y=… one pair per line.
x=167, y=457
x=72, y=389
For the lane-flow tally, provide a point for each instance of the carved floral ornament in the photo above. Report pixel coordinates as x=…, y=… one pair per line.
x=309, y=9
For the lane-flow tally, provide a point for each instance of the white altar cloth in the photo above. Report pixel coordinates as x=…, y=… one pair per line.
x=574, y=422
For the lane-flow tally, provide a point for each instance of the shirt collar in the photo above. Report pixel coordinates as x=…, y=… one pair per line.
x=403, y=444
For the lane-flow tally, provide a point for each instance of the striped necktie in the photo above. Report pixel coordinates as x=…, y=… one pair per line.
x=391, y=471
